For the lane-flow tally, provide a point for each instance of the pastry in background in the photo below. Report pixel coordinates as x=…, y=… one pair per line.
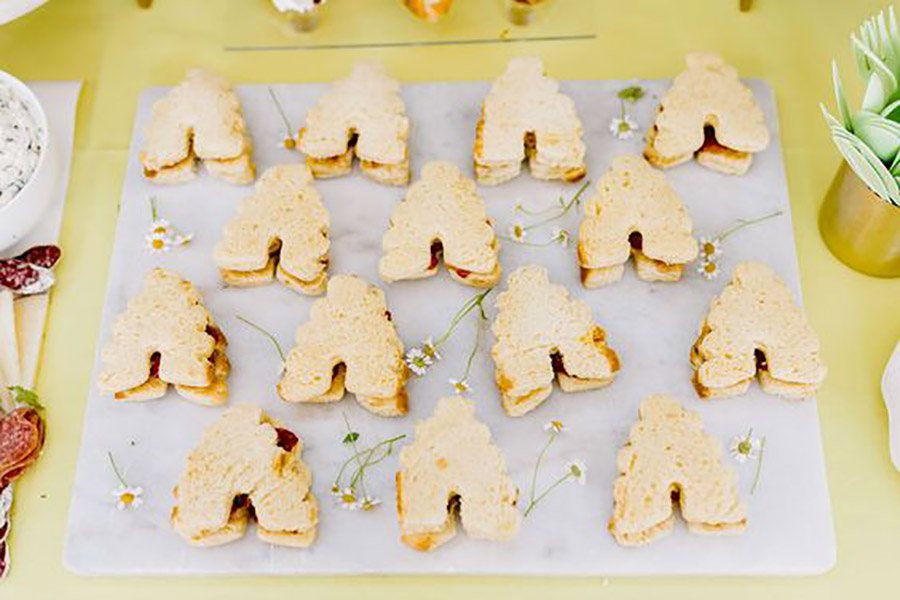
x=348, y=343
x=247, y=466
x=200, y=119
x=634, y=213
x=526, y=117
x=453, y=469
x=541, y=334
x=441, y=218
x=669, y=459
x=363, y=116
x=708, y=113
x=279, y=231
x=755, y=329
x=429, y=10
x=165, y=337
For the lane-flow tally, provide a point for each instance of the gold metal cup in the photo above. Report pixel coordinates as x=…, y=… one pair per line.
x=860, y=229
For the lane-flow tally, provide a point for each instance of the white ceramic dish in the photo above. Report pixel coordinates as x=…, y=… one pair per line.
x=20, y=215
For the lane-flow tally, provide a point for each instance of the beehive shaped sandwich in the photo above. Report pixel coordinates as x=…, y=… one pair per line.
x=198, y=120
x=525, y=116
x=280, y=231
x=362, y=115
x=246, y=466
x=165, y=337
x=710, y=114
x=453, y=467
x=442, y=217
x=669, y=459
x=348, y=343
x=635, y=212
x=755, y=328
x=540, y=335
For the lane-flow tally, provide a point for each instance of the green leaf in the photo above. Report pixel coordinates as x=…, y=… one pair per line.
x=25, y=396
x=839, y=97
x=632, y=93
x=351, y=437
x=881, y=80
x=892, y=111
x=881, y=135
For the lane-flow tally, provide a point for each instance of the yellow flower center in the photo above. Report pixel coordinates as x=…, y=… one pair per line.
x=159, y=244
x=710, y=267
x=709, y=249
x=348, y=498
x=290, y=143
x=126, y=498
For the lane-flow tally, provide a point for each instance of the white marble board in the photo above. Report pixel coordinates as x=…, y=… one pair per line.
x=651, y=326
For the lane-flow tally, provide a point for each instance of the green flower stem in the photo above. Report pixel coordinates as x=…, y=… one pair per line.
x=115, y=468
x=762, y=449
x=287, y=124
x=544, y=244
x=576, y=199
x=471, y=303
x=554, y=485
x=746, y=223
x=537, y=467
x=360, y=468
x=153, y=212
x=271, y=337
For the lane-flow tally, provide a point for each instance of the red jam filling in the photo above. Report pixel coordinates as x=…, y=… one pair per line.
x=154, y=365
x=462, y=273
x=761, y=364
x=287, y=440
x=636, y=240
x=437, y=250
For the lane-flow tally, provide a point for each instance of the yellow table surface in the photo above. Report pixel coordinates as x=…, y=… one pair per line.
x=118, y=49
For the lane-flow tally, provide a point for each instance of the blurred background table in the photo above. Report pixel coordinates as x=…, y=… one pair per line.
x=119, y=49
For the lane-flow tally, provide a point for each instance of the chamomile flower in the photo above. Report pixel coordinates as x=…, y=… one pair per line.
x=158, y=243
x=708, y=269
x=710, y=248
x=517, y=232
x=289, y=142
x=744, y=447
x=576, y=470
x=554, y=426
x=128, y=497
x=623, y=127
x=369, y=503
x=560, y=236
x=430, y=350
x=418, y=361
x=460, y=386
x=160, y=227
x=347, y=499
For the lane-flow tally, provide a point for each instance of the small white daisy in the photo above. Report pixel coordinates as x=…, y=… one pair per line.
x=418, y=361
x=347, y=499
x=517, y=232
x=289, y=142
x=369, y=503
x=710, y=248
x=160, y=227
x=576, y=469
x=430, y=350
x=554, y=426
x=158, y=244
x=128, y=497
x=743, y=447
x=460, y=386
x=560, y=236
x=623, y=127
x=708, y=269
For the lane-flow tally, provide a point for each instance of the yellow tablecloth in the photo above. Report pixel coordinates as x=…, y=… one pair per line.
x=118, y=50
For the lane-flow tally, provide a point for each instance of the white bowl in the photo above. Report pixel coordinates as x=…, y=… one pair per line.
x=21, y=214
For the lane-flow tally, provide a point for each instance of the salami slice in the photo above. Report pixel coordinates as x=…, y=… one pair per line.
x=29, y=273
x=21, y=440
x=41, y=256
